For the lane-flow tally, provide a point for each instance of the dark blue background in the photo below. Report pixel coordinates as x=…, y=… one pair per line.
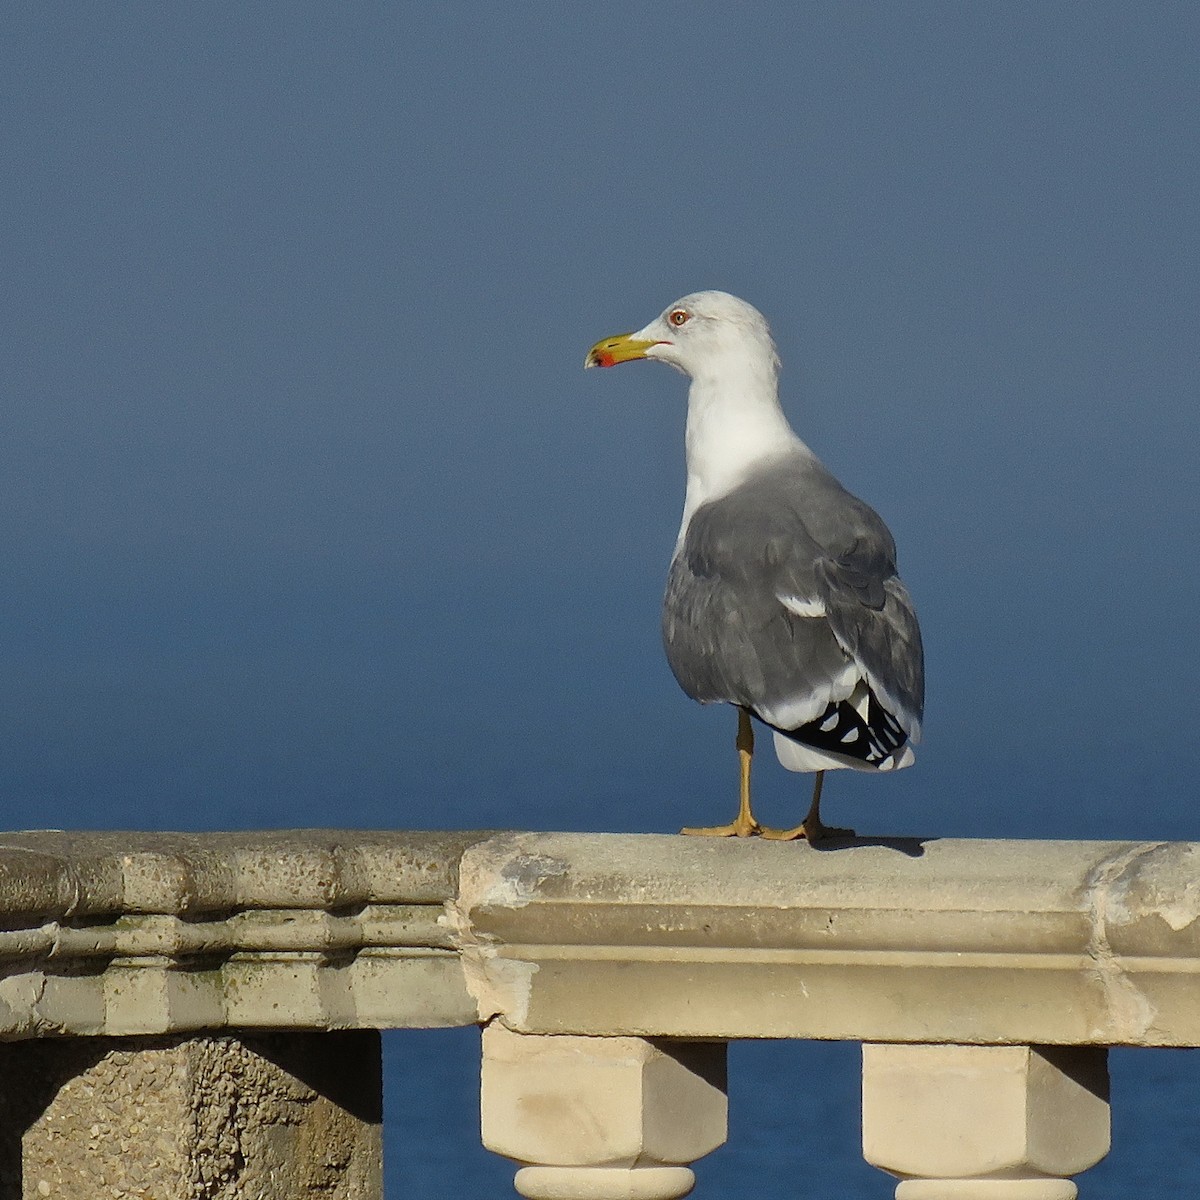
x=311, y=517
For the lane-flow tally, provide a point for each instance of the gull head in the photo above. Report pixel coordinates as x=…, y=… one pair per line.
x=704, y=334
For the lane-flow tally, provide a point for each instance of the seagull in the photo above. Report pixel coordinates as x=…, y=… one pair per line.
x=782, y=595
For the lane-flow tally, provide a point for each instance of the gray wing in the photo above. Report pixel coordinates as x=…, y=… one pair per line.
x=783, y=596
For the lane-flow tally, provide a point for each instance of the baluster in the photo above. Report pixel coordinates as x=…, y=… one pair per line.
x=602, y=1118
x=985, y=1122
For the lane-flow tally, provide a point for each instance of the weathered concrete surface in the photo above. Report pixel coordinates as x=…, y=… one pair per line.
x=905, y=941
x=601, y=934
x=268, y=1117
x=47, y=873
x=131, y=933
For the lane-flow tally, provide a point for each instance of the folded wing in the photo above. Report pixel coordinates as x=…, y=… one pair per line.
x=783, y=598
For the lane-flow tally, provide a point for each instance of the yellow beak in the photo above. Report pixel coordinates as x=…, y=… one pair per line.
x=624, y=347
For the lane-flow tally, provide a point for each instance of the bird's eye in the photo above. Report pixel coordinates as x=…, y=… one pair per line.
x=679, y=316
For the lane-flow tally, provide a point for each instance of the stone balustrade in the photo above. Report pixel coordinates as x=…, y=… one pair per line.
x=197, y=1015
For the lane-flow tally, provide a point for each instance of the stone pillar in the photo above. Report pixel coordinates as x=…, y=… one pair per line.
x=985, y=1122
x=268, y=1116
x=602, y=1118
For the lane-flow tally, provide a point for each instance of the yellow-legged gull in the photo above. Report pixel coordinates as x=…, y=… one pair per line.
x=782, y=597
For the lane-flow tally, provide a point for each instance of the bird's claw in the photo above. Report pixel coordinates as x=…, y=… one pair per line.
x=810, y=831
x=807, y=831
x=736, y=828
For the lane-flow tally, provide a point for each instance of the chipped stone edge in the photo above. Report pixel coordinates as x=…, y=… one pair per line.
x=1105, y=892
x=503, y=872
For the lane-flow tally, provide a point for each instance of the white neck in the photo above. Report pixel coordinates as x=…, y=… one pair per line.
x=734, y=423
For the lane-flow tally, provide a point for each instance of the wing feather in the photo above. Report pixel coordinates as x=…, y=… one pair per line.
x=783, y=595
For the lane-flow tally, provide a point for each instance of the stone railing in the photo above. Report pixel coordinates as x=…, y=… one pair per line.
x=196, y=1015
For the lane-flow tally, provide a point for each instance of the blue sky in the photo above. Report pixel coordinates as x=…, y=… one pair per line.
x=312, y=517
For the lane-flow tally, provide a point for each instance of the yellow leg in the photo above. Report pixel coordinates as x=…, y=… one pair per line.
x=812, y=827
x=744, y=824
